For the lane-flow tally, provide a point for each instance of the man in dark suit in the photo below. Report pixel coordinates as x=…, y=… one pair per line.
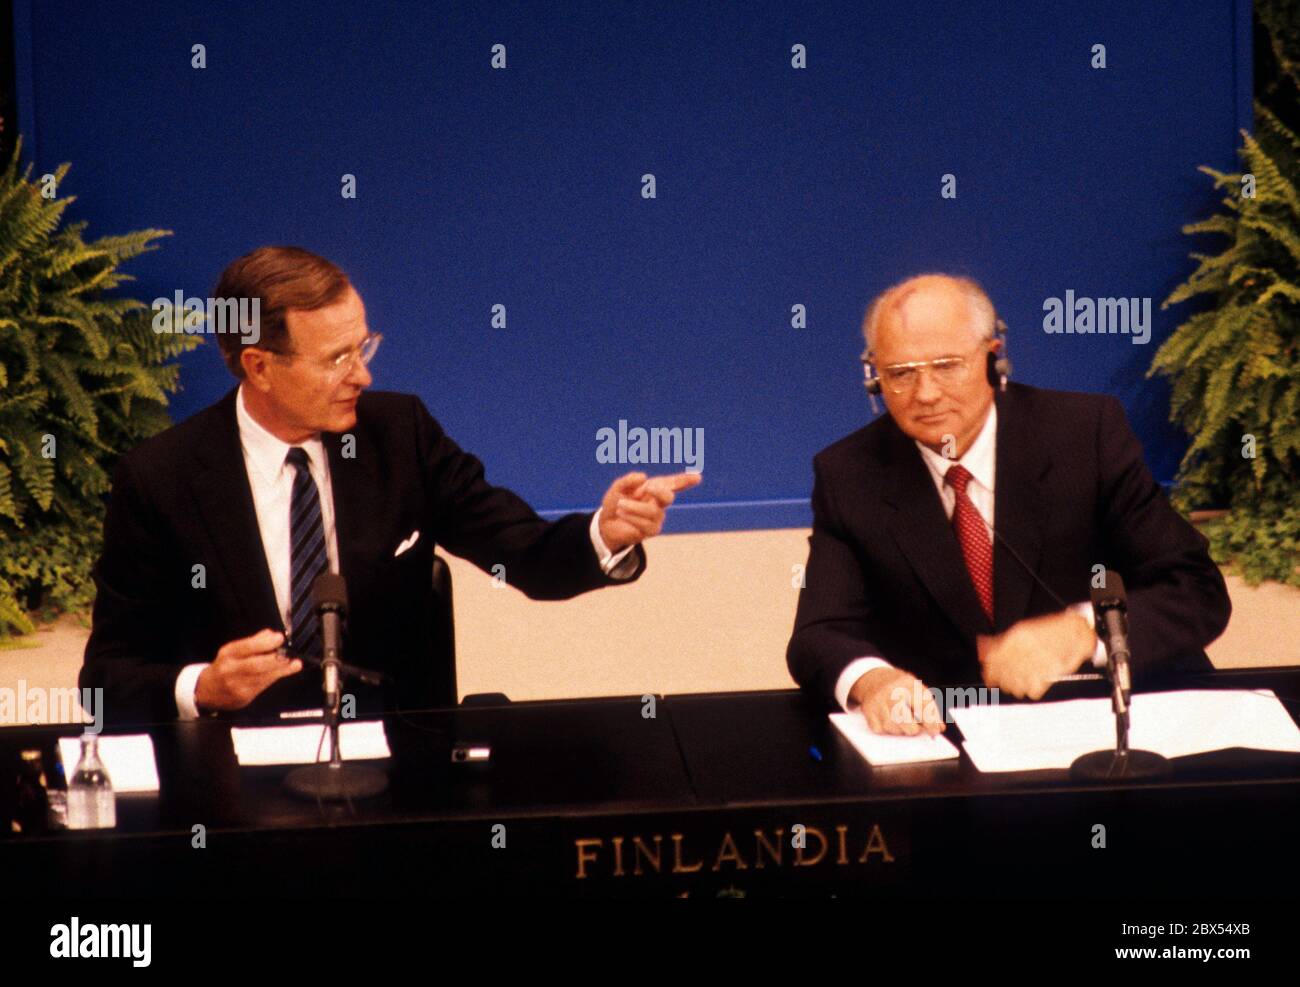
x=217, y=528
x=955, y=539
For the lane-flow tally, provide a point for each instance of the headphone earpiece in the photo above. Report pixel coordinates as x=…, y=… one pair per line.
x=870, y=381
x=999, y=364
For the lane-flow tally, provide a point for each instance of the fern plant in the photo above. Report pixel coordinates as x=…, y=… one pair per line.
x=83, y=378
x=1235, y=367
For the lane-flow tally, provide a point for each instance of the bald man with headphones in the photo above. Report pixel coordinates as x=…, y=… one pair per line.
x=954, y=539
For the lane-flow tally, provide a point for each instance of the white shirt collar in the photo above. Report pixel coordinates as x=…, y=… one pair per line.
x=979, y=458
x=264, y=451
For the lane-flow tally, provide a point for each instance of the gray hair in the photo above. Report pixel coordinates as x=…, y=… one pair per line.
x=983, y=315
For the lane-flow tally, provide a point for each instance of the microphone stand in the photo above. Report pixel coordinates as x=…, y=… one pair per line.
x=1122, y=762
x=334, y=781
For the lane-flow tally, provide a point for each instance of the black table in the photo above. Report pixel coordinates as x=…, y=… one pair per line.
x=704, y=798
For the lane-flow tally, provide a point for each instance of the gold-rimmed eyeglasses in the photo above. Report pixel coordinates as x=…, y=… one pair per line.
x=948, y=371
x=340, y=366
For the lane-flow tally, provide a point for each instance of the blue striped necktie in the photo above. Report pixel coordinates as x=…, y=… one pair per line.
x=307, y=556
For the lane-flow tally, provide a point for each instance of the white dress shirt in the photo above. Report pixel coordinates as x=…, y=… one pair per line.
x=271, y=480
x=981, y=461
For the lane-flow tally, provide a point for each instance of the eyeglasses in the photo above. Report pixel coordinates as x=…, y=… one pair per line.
x=905, y=378
x=340, y=366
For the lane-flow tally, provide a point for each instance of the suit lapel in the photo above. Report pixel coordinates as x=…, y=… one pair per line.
x=358, y=525
x=924, y=534
x=225, y=500
x=1020, y=511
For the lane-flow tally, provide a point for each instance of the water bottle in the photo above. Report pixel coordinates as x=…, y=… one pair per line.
x=91, y=804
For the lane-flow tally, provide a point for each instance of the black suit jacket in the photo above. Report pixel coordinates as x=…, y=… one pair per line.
x=183, y=499
x=885, y=574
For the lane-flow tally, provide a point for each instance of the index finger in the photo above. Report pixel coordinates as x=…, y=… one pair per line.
x=658, y=486
x=678, y=482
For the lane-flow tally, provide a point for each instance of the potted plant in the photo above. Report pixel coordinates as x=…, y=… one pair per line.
x=83, y=378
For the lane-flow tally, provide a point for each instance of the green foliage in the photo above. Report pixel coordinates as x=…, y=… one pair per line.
x=1235, y=366
x=83, y=378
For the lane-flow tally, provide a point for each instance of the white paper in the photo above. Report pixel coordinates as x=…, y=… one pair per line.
x=1035, y=736
x=881, y=749
x=358, y=741
x=128, y=760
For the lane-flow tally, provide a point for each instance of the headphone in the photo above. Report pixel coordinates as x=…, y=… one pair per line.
x=998, y=366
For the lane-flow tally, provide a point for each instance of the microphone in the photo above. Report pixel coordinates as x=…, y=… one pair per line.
x=1110, y=609
x=1110, y=604
x=335, y=780
x=329, y=595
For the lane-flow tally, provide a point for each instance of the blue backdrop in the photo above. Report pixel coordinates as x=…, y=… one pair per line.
x=776, y=187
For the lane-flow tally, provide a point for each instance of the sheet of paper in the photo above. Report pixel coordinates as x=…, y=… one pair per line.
x=881, y=749
x=1035, y=736
x=128, y=760
x=358, y=741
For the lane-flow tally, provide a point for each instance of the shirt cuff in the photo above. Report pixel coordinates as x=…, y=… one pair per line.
x=616, y=566
x=855, y=669
x=186, y=683
x=1085, y=611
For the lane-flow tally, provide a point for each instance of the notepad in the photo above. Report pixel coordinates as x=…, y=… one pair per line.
x=358, y=741
x=881, y=749
x=129, y=761
x=1037, y=736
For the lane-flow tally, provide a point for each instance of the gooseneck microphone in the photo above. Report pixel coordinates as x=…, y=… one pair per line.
x=329, y=595
x=333, y=780
x=1110, y=609
x=1110, y=606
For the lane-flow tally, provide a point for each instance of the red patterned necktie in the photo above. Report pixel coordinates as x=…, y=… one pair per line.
x=973, y=536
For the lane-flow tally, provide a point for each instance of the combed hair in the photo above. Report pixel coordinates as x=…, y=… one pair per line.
x=283, y=278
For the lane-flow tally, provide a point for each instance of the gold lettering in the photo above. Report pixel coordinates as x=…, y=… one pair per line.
x=773, y=851
x=678, y=866
x=733, y=855
x=654, y=859
x=876, y=844
x=799, y=860
x=648, y=854
x=583, y=857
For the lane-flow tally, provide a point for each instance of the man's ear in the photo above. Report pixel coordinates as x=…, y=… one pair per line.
x=256, y=364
